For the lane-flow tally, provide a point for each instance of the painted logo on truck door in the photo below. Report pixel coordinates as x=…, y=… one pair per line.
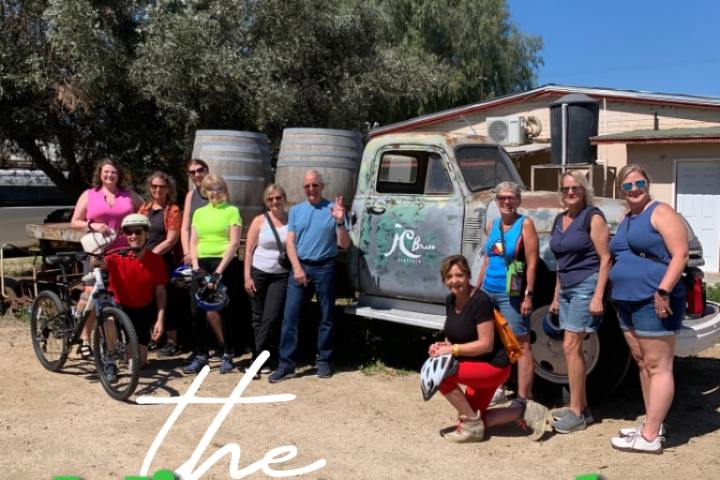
x=408, y=244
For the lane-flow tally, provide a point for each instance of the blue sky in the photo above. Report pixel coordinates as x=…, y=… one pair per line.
x=658, y=46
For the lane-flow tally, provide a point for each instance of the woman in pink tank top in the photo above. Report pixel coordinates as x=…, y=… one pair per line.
x=101, y=208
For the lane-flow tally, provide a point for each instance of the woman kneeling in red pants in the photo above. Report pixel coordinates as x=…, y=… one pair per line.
x=483, y=363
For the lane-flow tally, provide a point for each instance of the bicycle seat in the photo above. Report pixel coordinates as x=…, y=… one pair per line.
x=63, y=258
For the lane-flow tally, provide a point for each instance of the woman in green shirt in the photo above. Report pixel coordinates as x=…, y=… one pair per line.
x=214, y=240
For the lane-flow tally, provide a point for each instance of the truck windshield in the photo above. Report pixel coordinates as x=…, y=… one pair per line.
x=484, y=167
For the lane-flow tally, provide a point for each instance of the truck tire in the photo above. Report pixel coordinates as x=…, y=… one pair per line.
x=606, y=355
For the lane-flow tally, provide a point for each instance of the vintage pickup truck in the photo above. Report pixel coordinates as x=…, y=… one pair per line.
x=423, y=196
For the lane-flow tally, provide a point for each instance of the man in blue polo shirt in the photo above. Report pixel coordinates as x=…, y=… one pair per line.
x=315, y=228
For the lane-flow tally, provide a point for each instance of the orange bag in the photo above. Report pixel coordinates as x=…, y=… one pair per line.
x=512, y=346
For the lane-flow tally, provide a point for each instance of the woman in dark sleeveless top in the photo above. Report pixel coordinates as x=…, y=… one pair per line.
x=197, y=169
x=650, y=249
x=579, y=240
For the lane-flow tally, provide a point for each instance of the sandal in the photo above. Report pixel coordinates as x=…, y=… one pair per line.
x=85, y=351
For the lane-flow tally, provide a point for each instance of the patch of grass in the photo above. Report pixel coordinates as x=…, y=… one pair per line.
x=378, y=367
x=713, y=292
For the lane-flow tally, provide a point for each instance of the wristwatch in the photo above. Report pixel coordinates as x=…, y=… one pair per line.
x=663, y=292
x=456, y=350
x=529, y=293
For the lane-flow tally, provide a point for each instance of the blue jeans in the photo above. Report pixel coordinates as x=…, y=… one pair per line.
x=575, y=307
x=510, y=309
x=321, y=280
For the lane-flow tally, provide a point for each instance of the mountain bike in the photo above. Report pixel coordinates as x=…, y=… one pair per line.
x=56, y=325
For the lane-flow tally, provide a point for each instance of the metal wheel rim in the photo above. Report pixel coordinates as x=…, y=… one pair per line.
x=550, y=362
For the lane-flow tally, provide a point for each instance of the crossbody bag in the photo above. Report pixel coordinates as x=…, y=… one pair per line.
x=283, y=259
x=515, y=267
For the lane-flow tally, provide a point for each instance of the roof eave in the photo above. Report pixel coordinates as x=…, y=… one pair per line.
x=651, y=140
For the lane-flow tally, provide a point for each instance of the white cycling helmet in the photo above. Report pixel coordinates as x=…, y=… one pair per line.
x=136, y=220
x=434, y=371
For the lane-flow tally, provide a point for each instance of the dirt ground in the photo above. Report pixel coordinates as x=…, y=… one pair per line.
x=363, y=426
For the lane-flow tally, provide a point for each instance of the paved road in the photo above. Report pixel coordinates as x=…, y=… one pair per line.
x=13, y=220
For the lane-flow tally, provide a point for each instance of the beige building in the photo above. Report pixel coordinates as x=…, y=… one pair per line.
x=677, y=137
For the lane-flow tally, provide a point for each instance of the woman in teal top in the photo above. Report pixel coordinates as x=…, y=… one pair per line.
x=214, y=240
x=500, y=251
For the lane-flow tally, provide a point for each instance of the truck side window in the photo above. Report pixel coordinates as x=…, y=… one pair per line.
x=400, y=172
x=438, y=182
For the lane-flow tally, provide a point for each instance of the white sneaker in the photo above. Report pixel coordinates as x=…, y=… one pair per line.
x=637, y=443
x=499, y=397
x=631, y=431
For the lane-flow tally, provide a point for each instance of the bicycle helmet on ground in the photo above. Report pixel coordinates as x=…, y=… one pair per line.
x=136, y=220
x=211, y=299
x=182, y=276
x=434, y=371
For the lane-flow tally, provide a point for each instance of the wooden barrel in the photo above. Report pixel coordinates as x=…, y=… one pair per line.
x=334, y=153
x=243, y=160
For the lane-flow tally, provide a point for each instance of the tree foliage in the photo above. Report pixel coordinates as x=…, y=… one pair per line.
x=80, y=79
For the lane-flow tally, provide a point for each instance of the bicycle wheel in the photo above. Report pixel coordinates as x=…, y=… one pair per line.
x=50, y=330
x=117, y=354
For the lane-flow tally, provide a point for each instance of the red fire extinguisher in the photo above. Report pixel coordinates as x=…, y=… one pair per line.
x=695, y=291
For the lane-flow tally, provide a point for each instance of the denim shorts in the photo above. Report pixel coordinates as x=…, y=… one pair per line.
x=575, y=307
x=641, y=317
x=510, y=309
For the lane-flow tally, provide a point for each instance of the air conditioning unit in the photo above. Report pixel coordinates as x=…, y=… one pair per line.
x=506, y=130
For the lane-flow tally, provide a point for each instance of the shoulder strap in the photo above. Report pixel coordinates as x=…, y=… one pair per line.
x=281, y=249
x=518, y=245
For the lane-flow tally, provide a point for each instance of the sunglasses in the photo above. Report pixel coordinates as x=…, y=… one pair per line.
x=571, y=188
x=215, y=190
x=311, y=185
x=158, y=187
x=504, y=198
x=640, y=185
x=197, y=171
x=133, y=231
x=272, y=199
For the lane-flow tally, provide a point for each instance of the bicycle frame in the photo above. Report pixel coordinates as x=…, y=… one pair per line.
x=99, y=298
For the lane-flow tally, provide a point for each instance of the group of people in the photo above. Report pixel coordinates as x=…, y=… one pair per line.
x=154, y=242
x=289, y=256
x=638, y=271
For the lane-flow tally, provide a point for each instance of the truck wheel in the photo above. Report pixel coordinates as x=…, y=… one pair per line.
x=607, y=356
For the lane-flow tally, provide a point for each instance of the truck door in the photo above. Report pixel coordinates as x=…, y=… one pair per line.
x=412, y=219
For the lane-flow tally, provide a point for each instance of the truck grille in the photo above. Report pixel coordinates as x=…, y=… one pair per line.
x=473, y=228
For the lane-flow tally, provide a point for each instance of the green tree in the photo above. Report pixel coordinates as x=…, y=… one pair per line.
x=481, y=51
x=80, y=79
x=64, y=89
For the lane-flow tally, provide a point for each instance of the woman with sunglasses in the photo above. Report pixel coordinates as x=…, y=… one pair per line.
x=265, y=278
x=512, y=237
x=650, y=250
x=579, y=240
x=194, y=199
x=163, y=240
x=214, y=240
x=137, y=279
x=483, y=363
x=101, y=208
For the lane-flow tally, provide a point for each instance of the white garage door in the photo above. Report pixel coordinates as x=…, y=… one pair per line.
x=698, y=199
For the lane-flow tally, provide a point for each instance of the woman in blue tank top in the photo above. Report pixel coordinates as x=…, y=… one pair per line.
x=650, y=250
x=501, y=249
x=579, y=240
